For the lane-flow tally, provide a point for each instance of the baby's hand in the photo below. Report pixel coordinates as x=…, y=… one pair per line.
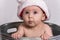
x=45, y=36
x=16, y=35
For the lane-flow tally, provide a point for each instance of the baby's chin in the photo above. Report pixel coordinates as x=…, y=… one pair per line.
x=31, y=26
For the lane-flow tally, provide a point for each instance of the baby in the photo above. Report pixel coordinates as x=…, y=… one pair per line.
x=33, y=13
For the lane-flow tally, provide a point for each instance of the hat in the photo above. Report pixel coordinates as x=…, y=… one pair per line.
x=26, y=3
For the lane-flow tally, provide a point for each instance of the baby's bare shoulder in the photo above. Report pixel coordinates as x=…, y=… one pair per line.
x=47, y=27
x=21, y=26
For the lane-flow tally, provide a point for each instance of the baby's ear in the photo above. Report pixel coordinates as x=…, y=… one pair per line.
x=43, y=17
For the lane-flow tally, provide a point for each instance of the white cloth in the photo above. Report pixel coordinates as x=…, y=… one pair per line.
x=55, y=38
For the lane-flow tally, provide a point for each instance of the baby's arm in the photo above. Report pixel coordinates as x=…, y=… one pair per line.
x=19, y=33
x=47, y=34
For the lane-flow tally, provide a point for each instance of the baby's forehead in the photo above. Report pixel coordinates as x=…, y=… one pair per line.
x=32, y=8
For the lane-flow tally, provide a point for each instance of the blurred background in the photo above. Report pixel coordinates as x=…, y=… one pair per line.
x=8, y=11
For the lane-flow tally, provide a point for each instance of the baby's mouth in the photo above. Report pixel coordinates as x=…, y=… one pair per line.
x=30, y=22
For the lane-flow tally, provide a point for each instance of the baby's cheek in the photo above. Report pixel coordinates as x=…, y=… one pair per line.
x=37, y=19
x=36, y=22
x=25, y=18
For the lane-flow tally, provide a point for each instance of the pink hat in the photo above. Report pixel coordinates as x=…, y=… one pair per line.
x=26, y=3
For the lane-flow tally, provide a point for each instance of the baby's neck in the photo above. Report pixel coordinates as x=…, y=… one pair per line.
x=40, y=25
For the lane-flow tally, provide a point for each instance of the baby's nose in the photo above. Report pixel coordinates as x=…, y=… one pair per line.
x=30, y=15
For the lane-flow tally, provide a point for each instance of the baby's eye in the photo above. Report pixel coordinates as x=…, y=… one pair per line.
x=26, y=12
x=35, y=12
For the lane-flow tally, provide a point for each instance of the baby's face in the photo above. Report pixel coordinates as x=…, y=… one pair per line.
x=33, y=16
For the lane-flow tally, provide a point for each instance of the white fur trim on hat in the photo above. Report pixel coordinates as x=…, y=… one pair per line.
x=39, y=3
